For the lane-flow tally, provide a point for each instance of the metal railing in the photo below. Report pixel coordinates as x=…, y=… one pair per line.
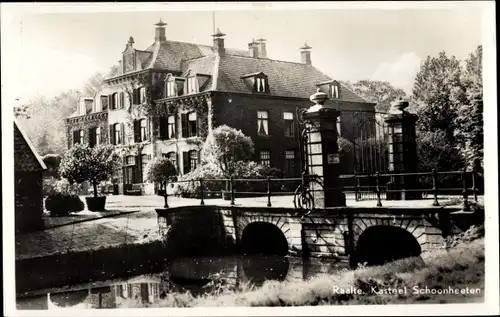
x=378, y=186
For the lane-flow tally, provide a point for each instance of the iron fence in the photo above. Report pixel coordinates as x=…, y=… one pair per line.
x=375, y=186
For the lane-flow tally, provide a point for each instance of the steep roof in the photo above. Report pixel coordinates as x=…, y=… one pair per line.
x=170, y=54
x=26, y=158
x=284, y=78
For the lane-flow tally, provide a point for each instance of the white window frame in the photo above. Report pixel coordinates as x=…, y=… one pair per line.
x=266, y=161
x=263, y=117
x=171, y=126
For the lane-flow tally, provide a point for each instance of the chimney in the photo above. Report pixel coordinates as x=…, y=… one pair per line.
x=305, y=54
x=219, y=42
x=262, y=48
x=130, y=42
x=160, y=32
x=253, y=49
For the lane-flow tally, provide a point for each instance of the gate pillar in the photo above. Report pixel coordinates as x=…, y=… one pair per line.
x=402, y=152
x=323, y=152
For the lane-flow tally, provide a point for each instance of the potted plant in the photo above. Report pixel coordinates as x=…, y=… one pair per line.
x=82, y=163
x=161, y=170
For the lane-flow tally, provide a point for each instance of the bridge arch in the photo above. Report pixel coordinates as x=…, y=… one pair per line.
x=379, y=244
x=261, y=237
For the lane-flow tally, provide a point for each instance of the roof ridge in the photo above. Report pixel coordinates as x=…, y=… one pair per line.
x=274, y=60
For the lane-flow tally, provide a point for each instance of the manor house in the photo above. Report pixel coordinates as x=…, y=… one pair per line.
x=194, y=88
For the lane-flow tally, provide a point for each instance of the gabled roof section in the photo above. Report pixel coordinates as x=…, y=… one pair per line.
x=26, y=158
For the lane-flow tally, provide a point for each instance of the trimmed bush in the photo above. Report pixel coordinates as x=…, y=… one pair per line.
x=62, y=198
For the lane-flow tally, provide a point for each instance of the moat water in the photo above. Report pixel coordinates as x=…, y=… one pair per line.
x=199, y=276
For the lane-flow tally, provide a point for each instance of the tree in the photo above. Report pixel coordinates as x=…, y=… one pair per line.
x=82, y=163
x=380, y=92
x=225, y=147
x=468, y=100
x=432, y=91
x=52, y=161
x=160, y=170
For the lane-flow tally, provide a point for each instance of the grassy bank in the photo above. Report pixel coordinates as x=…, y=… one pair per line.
x=459, y=266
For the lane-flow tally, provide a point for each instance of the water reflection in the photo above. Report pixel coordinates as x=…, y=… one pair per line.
x=196, y=275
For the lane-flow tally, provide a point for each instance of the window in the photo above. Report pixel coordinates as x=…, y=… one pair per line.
x=171, y=127
x=78, y=136
x=94, y=136
x=192, y=85
x=289, y=124
x=262, y=124
x=144, y=163
x=290, y=163
x=338, y=125
x=113, y=102
x=130, y=160
x=136, y=97
x=265, y=158
x=260, y=84
x=142, y=95
x=334, y=91
x=104, y=103
x=144, y=129
x=124, y=290
x=179, y=82
x=193, y=159
x=82, y=134
x=192, y=124
x=97, y=136
x=121, y=103
x=172, y=156
x=117, y=134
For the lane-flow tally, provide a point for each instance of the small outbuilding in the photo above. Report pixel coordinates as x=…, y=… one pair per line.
x=28, y=177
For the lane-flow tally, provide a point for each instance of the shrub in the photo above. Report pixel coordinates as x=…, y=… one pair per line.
x=62, y=198
x=82, y=163
x=190, y=187
x=52, y=161
x=160, y=170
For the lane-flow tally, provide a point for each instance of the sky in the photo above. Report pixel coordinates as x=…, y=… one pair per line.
x=47, y=49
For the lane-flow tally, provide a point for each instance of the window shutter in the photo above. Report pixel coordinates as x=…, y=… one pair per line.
x=121, y=101
x=76, y=136
x=122, y=128
x=111, y=134
x=184, y=125
x=137, y=131
x=148, y=131
x=185, y=162
x=163, y=130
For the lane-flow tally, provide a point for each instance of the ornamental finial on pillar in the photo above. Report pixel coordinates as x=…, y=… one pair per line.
x=319, y=99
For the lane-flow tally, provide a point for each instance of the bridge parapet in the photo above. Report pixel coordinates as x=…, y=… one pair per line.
x=333, y=232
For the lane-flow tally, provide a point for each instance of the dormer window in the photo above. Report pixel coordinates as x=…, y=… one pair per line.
x=174, y=86
x=192, y=85
x=332, y=88
x=260, y=84
x=334, y=91
x=257, y=82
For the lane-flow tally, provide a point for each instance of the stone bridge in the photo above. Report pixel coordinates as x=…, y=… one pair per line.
x=354, y=234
